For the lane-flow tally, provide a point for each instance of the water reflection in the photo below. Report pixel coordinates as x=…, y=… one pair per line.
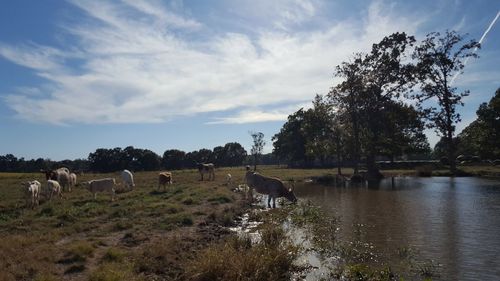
x=455, y=221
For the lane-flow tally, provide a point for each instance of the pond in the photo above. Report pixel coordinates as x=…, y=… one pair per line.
x=453, y=221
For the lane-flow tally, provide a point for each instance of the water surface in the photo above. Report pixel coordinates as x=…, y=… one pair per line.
x=453, y=221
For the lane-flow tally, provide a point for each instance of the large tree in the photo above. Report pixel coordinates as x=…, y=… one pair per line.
x=371, y=83
x=440, y=59
x=347, y=98
x=387, y=74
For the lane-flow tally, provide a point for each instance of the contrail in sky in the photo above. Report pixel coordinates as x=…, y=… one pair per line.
x=480, y=41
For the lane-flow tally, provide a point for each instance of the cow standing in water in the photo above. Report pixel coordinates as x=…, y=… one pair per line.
x=273, y=187
x=206, y=169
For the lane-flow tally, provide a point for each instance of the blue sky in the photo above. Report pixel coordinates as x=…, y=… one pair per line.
x=80, y=75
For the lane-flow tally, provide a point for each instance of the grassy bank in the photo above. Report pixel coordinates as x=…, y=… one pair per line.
x=145, y=234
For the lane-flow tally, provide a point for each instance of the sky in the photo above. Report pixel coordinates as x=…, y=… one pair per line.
x=157, y=74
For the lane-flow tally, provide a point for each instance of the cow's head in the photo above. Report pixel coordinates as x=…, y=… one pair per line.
x=290, y=195
x=49, y=174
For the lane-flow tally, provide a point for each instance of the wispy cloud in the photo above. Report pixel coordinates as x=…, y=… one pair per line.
x=139, y=63
x=492, y=23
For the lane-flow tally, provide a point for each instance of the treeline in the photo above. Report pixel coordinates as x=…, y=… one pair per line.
x=135, y=159
x=381, y=105
x=480, y=138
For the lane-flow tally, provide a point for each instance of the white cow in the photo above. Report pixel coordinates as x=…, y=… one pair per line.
x=32, y=191
x=102, y=185
x=72, y=180
x=229, y=180
x=128, y=179
x=61, y=175
x=54, y=188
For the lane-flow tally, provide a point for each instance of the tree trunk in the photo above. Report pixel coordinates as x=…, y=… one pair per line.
x=355, y=129
x=339, y=155
x=372, y=173
x=255, y=162
x=451, y=153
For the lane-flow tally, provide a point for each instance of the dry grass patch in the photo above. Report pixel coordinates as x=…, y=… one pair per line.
x=238, y=259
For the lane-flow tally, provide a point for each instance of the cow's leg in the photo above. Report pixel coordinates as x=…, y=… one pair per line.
x=274, y=202
x=269, y=201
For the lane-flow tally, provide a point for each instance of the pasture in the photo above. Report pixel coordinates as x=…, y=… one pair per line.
x=144, y=234
x=176, y=233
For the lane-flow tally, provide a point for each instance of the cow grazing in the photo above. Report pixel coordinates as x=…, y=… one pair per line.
x=128, y=179
x=273, y=187
x=54, y=188
x=102, y=185
x=60, y=175
x=164, y=178
x=32, y=191
x=229, y=180
x=72, y=180
x=208, y=168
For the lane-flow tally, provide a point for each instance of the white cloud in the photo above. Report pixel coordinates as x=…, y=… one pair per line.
x=257, y=115
x=138, y=65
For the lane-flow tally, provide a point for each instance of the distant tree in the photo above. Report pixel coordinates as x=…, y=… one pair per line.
x=218, y=156
x=173, y=159
x=116, y=159
x=482, y=137
x=289, y=143
x=234, y=154
x=148, y=160
x=8, y=163
x=198, y=156
x=205, y=155
x=257, y=147
x=440, y=58
x=317, y=129
x=104, y=160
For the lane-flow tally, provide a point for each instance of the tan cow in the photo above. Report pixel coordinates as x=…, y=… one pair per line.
x=164, y=178
x=273, y=187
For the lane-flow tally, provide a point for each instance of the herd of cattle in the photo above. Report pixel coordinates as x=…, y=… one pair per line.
x=62, y=180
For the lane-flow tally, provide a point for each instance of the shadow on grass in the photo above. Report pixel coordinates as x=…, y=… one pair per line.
x=158, y=192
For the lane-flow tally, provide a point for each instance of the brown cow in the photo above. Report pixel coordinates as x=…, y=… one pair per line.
x=208, y=168
x=164, y=178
